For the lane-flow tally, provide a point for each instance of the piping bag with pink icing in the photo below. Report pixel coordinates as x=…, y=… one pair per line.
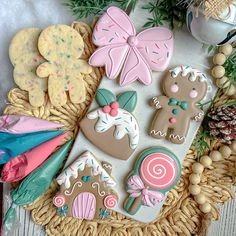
x=17, y=124
x=156, y=171
x=122, y=51
x=22, y=165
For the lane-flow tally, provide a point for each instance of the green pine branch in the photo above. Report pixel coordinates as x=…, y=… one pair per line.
x=85, y=8
x=230, y=67
x=166, y=11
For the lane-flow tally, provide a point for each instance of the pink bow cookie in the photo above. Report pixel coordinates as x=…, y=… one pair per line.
x=122, y=51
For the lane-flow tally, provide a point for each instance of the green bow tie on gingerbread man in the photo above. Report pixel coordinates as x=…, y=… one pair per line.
x=181, y=104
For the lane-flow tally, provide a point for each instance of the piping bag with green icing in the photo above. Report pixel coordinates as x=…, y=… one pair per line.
x=12, y=145
x=36, y=184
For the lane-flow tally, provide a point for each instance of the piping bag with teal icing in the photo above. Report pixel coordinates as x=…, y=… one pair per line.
x=12, y=145
x=36, y=184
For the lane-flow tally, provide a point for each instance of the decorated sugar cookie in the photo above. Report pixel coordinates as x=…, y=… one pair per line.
x=112, y=127
x=86, y=190
x=156, y=171
x=25, y=58
x=122, y=51
x=183, y=88
x=62, y=46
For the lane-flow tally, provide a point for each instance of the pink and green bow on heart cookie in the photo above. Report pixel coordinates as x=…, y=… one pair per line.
x=110, y=103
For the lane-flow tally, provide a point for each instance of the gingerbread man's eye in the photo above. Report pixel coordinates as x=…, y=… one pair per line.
x=193, y=93
x=176, y=83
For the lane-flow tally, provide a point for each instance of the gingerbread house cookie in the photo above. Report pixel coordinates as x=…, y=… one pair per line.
x=86, y=189
x=112, y=127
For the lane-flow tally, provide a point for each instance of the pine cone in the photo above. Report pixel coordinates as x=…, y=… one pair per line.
x=222, y=122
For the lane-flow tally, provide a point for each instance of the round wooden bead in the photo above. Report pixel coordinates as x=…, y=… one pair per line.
x=218, y=72
x=215, y=155
x=231, y=90
x=194, y=189
x=226, y=49
x=219, y=59
x=195, y=178
x=206, y=207
x=223, y=82
x=225, y=151
x=197, y=168
x=233, y=146
x=206, y=161
x=200, y=198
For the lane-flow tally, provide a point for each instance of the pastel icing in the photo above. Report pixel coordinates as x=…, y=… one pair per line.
x=123, y=52
x=185, y=70
x=23, y=164
x=85, y=160
x=87, y=209
x=156, y=171
x=17, y=144
x=159, y=171
x=124, y=122
x=17, y=124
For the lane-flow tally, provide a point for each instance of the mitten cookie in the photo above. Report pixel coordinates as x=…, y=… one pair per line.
x=25, y=58
x=86, y=190
x=156, y=171
x=112, y=127
x=61, y=46
x=183, y=88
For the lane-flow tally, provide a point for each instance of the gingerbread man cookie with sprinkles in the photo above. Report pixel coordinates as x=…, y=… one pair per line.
x=62, y=47
x=183, y=87
x=25, y=58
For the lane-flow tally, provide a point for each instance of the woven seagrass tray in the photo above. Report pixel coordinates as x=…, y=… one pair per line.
x=180, y=214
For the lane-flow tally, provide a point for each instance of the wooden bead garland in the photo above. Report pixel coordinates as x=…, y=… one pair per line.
x=197, y=168
x=218, y=71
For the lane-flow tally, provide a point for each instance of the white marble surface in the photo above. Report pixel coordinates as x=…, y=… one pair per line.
x=17, y=14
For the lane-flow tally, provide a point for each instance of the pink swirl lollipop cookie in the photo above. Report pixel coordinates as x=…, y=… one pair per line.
x=156, y=171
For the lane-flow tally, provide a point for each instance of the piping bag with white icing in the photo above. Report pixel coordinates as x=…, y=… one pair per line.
x=17, y=124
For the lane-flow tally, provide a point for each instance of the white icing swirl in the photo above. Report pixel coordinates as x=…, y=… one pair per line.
x=185, y=70
x=85, y=160
x=124, y=122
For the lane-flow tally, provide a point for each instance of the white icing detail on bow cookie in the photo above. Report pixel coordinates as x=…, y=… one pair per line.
x=85, y=160
x=101, y=193
x=176, y=136
x=124, y=122
x=156, y=103
x=158, y=132
x=78, y=183
x=199, y=116
x=185, y=70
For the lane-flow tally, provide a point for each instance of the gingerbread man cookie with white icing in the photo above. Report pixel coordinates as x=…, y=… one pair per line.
x=183, y=87
x=112, y=127
x=86, y=189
